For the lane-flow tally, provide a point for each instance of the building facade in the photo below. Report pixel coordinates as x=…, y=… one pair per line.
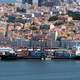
x=27, y=1
x=70, y=1
x=49, y=3
x=24, y=1
x=41, y=2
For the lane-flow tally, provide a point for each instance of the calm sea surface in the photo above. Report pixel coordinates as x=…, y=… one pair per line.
x=39, y=70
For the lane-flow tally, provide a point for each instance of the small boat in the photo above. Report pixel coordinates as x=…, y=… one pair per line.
x=7, y=53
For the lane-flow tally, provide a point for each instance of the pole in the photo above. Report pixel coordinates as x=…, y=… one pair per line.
x=6, y=30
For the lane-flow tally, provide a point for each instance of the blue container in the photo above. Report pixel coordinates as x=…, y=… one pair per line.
x=37, y=54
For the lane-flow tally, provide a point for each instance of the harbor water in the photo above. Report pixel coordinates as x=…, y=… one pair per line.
x=40, y=70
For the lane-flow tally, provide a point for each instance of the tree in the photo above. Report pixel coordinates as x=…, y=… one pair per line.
x=53, y=18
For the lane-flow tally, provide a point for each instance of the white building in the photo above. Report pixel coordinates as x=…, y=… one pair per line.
x=18, y=3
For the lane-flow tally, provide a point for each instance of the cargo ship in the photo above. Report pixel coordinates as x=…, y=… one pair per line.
x=24, y=53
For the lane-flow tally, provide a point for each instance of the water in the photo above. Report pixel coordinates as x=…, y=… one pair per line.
x=39, y=70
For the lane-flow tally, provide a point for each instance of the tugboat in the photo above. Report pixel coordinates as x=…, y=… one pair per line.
x=7, y=53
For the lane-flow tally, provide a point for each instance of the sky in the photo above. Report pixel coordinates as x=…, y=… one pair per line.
x=2, y=1
x=35, y=0
x=12, y=0
x=6, y=1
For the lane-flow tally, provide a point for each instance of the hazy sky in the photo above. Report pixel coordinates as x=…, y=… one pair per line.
x=35, y=0
x=15, y=0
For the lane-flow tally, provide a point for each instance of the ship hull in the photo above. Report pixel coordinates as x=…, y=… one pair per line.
x=8, y=57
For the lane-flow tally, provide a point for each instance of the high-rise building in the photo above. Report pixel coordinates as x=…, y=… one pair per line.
x=49, y=2
x=41, y=2
x=27, y=1
x=23, y=4
x=70, y=1
x=24, y=1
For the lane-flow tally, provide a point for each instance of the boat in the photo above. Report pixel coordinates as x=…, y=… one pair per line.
x=7, y=53
x=76, y=51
